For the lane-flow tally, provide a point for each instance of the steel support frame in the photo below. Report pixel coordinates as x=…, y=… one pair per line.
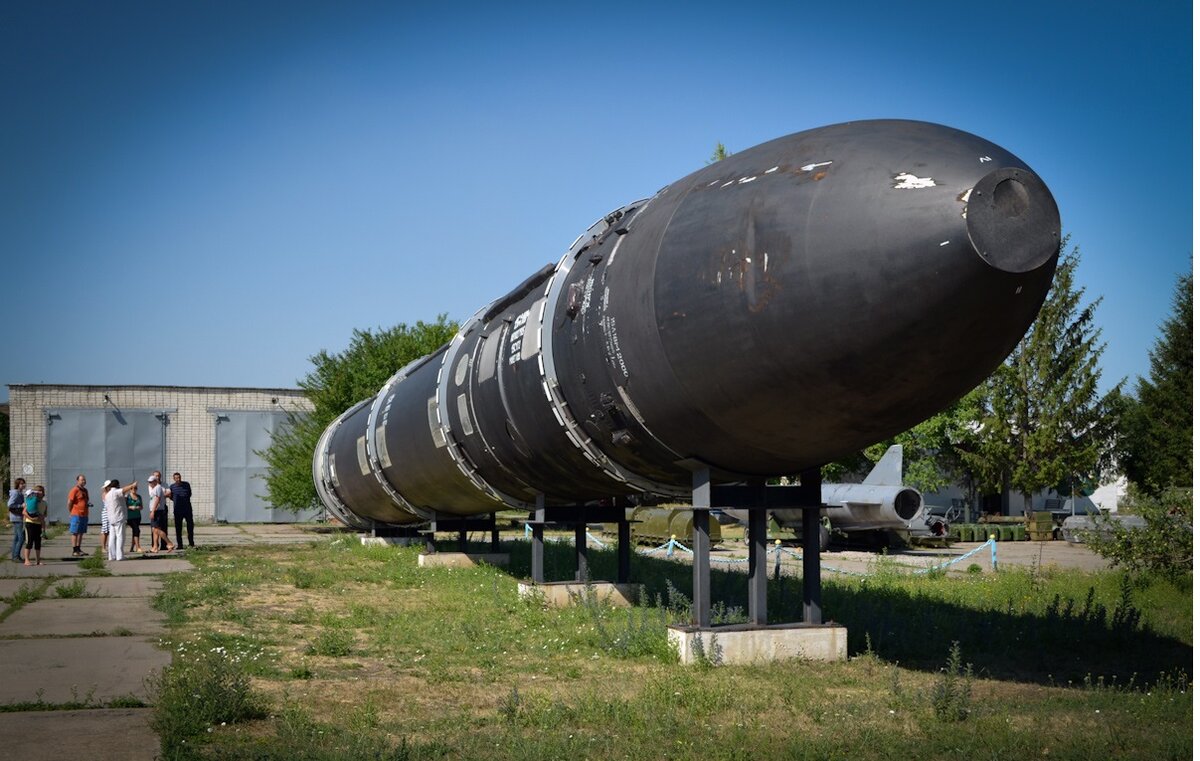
x=810, y=529
x=757, y=593
x=701, y=545
x=577, y=516
x=461, y=526
x=756, y=498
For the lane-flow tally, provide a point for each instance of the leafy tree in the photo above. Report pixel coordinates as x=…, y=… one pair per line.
x=336, y=382
x=1156, y=429
x=1162, y=548
x=719, y=154
x=1042, y=419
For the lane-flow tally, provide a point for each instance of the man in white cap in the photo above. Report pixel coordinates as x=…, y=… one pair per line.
x=158, y=514
x=114, y=512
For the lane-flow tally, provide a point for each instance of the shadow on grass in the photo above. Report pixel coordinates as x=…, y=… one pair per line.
x=1067, y=640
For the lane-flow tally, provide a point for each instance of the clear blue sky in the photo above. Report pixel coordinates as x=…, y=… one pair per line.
x=208, y=193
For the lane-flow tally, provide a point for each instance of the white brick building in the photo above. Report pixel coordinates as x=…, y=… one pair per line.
x=208, y=435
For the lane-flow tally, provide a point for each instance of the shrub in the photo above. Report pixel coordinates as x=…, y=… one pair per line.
x=1163, y=548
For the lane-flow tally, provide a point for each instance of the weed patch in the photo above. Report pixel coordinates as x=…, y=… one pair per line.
x=200, y=690
x=24, y=595
x=334, y=643
x=73, y=589
x=951, y=696
x=76, y=703
x=93, y=562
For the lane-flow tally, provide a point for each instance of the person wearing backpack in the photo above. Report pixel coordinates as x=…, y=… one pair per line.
x=34, y=517
x=16, y=509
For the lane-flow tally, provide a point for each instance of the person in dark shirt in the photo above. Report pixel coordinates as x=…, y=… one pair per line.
x=16, y=512
x=181, y=497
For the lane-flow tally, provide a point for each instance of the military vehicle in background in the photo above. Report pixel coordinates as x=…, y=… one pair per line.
x=878, y=510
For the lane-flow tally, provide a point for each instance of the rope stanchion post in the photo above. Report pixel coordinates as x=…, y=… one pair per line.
x=995, y=558
x=778, y=558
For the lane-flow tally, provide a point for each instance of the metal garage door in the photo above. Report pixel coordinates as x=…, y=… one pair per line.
x=240, y=471
x=101, y=444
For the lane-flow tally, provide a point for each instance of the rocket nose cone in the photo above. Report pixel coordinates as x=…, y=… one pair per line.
x=1012, y=220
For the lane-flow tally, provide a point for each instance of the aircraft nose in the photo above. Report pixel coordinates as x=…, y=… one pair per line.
x=1012, y=220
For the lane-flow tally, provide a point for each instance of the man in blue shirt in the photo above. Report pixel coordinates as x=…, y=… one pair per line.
x=181, y=496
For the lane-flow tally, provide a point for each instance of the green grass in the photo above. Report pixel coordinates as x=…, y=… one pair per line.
x=340, y=651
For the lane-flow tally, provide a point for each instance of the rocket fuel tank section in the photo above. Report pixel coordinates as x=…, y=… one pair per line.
x=788, y=305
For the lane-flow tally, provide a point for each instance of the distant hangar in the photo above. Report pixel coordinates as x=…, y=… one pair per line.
x=210, y=435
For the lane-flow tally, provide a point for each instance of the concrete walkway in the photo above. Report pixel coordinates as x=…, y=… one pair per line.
x=80, y=649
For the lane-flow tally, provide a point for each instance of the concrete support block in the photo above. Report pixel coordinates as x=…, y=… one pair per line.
x=560, y=594
x=744, y=644
x=461, y=559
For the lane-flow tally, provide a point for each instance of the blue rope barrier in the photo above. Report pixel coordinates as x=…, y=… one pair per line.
x=991, y=544
x=671, y=545
x=659, y=548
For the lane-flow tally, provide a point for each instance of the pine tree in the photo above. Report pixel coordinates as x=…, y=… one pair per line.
x=719, y=154
x=1157, y=426
x=1042, y=420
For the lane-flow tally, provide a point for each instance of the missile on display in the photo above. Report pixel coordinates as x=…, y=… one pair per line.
x=791, y=304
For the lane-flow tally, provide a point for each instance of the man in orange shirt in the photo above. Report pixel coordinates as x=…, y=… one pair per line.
x=77, y=503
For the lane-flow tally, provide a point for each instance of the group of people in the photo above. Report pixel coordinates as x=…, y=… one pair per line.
x=122, y=506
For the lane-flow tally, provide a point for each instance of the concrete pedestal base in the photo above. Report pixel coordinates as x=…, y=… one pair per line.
x=461, y=559
x=560, y=594
x=743, y=643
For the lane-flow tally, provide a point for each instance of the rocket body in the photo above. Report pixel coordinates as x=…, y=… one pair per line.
x=781, y=308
